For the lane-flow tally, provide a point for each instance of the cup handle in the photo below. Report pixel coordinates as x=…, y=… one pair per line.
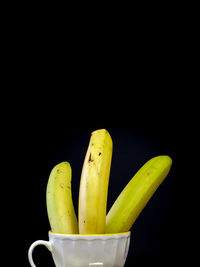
x=37, y=243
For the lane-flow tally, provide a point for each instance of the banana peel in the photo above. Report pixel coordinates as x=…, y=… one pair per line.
x=136, y=194
x=60, y=208
x=94, y=184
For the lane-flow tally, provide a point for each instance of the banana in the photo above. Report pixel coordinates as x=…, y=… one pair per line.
x=94, y=183
x=136, y=194
x=60, y=206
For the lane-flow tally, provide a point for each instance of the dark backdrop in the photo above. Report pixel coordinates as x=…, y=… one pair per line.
x=61, y=132
x=138, y=83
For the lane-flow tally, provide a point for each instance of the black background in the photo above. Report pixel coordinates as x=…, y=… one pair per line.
x=140, y=129
x=138, y=82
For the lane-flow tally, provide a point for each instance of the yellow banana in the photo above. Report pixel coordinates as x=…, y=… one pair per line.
x=60, y=206
x=136, y=194
x=94, y=183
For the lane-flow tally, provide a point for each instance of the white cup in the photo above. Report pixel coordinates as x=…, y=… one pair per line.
x=107, y=250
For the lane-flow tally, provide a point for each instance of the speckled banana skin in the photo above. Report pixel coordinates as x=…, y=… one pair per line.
x=94, y=183
x=60, y=208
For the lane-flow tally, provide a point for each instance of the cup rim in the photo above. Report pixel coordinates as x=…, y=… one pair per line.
x=92, y=235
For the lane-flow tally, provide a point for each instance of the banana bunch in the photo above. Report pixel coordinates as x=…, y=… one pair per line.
x=93, y=191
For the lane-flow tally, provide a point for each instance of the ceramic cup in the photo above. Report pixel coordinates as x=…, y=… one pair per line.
x=108, y=250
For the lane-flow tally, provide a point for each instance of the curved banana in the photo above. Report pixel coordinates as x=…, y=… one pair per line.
x=94, y=183
x=136, y=194
x=60, y=207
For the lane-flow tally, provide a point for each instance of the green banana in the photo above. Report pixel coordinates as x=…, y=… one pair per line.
x=136, y=194
x=94, y=184
x=60, y=207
